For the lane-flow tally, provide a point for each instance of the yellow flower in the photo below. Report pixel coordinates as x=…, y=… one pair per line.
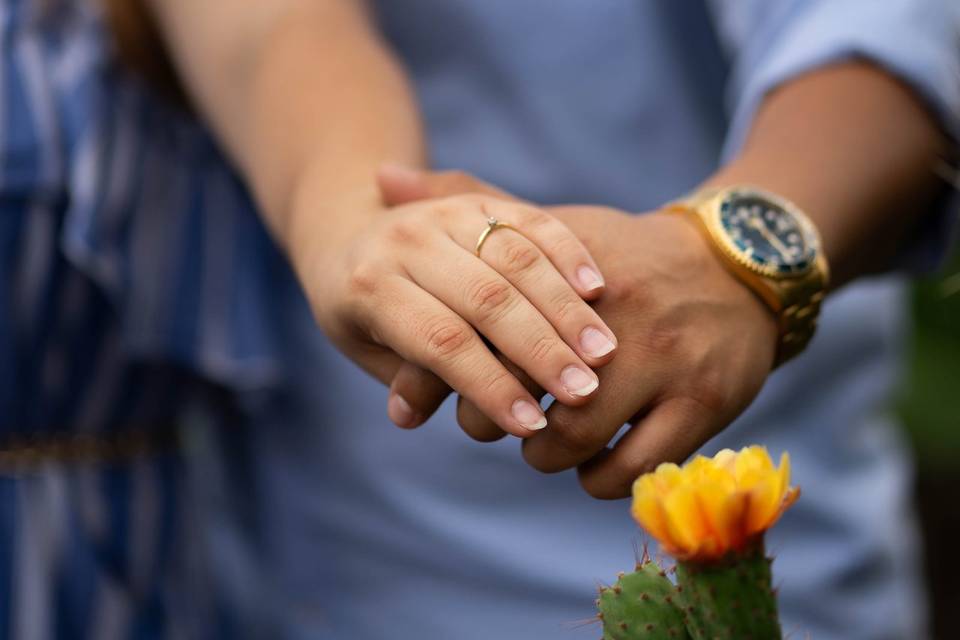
x=712, y=506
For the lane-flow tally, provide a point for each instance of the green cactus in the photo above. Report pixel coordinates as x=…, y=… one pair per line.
x=642, y=605
x=728, y=600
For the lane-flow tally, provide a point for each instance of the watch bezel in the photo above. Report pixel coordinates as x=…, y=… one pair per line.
x=718, y=204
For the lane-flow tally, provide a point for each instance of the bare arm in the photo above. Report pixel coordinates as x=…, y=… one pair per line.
x=296, y=88
x=857, y=151
x=309, y=102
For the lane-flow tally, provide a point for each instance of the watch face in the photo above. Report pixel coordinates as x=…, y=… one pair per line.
x=768, y=236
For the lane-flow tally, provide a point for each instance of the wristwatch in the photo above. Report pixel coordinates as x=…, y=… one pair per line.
x=773, y=248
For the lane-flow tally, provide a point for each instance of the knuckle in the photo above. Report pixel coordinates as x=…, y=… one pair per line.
x=576, y=437
x=709, y=394
x=445, y=338
x=664, y=340
x=538, y=218
x=565, y=304
x=519, y=257
x=490, y=299
x=565, y=244
x=363, y=280
x=494, y=382
x=543, y=348
x=405, y=233
x=446, y=210
x=635, y=290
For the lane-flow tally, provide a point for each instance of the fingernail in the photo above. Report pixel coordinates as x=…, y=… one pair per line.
x=595, y=343
x=589, y=279
x=528, y=415
x=578, y=382
x=400, y=411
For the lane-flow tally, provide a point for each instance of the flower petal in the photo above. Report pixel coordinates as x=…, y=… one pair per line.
x=712, y=506
x=683, y=519
x=647, y=509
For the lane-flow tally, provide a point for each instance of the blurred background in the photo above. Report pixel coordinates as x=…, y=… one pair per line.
x=930, y=408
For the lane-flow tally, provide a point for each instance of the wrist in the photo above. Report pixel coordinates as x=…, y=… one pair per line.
x=771, y=247
x=696, y=261
x=321, y=221
x=820, y=205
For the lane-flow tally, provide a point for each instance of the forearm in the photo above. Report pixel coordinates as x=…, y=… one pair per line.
x=856, y=150
x=305, y=98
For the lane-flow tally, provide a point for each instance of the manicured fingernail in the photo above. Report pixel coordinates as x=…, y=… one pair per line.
x=400, y=411
x=595, y=343
x=589, y=279
x=528, y=415
x=578, y=382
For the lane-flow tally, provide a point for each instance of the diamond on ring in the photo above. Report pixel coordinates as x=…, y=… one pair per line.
x=492, y=225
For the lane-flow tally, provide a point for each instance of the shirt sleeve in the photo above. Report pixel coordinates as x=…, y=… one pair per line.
x=918, y=41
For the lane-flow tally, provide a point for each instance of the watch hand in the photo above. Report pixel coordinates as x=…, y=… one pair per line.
x=769, y=237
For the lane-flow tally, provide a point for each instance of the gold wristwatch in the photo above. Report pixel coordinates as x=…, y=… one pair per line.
x=771, y=246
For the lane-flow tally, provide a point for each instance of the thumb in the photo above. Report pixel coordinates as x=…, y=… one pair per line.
x=399, y=184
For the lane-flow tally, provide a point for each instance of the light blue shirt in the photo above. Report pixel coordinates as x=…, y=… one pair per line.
x=140, y=288
x=381, y=533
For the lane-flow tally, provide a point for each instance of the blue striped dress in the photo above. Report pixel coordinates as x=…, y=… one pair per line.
x=123, y=328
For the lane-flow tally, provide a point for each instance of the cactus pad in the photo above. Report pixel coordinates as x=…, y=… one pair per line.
x=730, y=600
x=642, y=606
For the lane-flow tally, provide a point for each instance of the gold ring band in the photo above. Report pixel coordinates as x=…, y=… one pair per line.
x=492, y=225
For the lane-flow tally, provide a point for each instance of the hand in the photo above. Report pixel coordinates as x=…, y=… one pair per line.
x=409, y=287
x=695, y=347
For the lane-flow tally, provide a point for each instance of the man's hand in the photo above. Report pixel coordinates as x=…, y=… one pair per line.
x=695, y=346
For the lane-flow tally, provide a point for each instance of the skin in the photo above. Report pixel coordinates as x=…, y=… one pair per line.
x=695, y=345
x=386, y=285
x=847, y=143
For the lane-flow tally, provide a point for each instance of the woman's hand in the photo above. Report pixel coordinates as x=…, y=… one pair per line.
x=409, y=287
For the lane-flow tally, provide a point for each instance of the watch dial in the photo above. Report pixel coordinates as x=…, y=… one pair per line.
x=766, y=234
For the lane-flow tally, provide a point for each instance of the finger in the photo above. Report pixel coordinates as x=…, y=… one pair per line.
x=477, y=425
x=382, y=364
x=560, y=245
x=528, y=269
x=401, y=185
x=422, y=330
x=485, y=299
x=671, y=432
x=415, y=394
x=388, y=368
x=576, y=434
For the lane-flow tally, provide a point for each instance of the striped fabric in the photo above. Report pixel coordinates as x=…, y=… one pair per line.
x=134, y=296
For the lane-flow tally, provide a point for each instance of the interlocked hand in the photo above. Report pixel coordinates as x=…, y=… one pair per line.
x=695, y=346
